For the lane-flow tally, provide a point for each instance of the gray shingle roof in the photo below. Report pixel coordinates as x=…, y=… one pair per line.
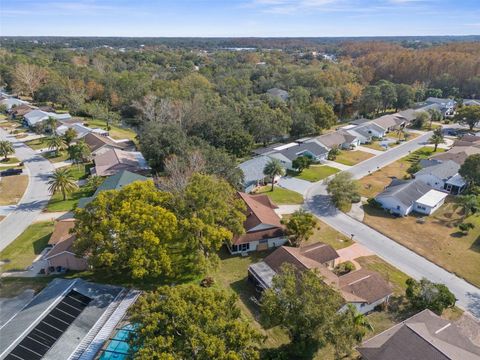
x=253, y=169
x=293, y=152
x=405, y=191
x=444, y=170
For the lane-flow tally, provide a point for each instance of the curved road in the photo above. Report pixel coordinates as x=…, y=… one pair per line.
x=35, y=197
x=416, y=266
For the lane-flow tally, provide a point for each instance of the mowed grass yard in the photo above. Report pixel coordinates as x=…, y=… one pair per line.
x=438, y=238
x=352, y=157
x=116, y=132
x=37, y=144
x=12, y=188
x=25, y=248
x=281, y=196
x=316, y=173
x=371, y=185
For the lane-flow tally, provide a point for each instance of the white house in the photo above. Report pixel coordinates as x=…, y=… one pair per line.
x=442, y=176
x=263, y=229
x=36, y=116
x=430, y=202
x=287, y=153
x=11, y=102
x=400, y=196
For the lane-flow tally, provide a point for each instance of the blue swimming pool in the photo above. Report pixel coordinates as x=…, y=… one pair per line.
x=118, y=346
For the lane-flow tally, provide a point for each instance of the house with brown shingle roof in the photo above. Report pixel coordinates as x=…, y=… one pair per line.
x=424, y=336
x=62, y=257
x=362, y=288
x=263, y=229
x=114, y=160
x=99, y=144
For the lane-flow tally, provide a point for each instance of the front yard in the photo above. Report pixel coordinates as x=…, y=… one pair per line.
x=352, y=157
x=436, y=237
x=281, y=196
x=25, y=248
x=12, y=188
x=316, y=173
x=37, y=144
x=371, y=185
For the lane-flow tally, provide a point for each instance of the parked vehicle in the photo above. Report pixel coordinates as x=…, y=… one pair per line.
x=10, y=172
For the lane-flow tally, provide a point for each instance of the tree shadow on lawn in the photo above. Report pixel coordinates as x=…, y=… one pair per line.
x=476, y=245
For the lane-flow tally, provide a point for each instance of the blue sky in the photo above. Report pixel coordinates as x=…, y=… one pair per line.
x=239, y=17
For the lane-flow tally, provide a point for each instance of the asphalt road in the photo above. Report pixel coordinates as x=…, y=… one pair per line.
x=416, y=266
x=36, y=196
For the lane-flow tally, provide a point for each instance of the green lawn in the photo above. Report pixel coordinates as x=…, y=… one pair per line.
x=10, y=160
x=351, y=158
x=375, y=145
x=57, y=203
x=52, y=156
x=80, y=171
x=25, y=248
x=37, y=144
x=316, y=173
x=13, y=286
x=281, y=196
x=116, y=131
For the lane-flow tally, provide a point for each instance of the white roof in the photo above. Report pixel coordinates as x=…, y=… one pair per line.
x=10, y=102
x=347, y=127
x=457, y=180
x=432, y=198
x=36, y=116
x=286, y=146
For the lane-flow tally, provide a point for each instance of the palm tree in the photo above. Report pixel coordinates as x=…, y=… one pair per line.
x=79, y=152
x=437, y=138
x=470, y=204
x=361, y=323
x=273, y=169
x=6, y=148
x=63, y=181
x=56, y=143
x=52, y=124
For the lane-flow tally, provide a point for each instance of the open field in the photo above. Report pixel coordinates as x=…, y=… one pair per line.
x=24, y=249
x=438, y=238
x=12, y=188
x=116, y=132
x=281, y=196
x=351, y=158
x=317, y=172
x=371, y=185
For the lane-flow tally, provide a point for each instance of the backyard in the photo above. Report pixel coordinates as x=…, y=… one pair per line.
x=316, y=173
x=436, y=237
x=371, y=185
x=116, y=132
x=351, y=158
x=281, y=196
x=12, y=188
x=25, y=248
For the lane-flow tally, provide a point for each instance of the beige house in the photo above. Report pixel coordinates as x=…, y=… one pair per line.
x=62, y=257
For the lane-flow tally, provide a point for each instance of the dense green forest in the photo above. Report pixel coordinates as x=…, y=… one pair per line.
x=205, y=97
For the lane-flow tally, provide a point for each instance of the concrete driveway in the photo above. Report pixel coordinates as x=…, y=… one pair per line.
x=36, y=196
x=298, y=185
x=416, y=266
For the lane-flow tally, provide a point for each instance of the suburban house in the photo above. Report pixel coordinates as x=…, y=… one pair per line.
x=390, y=122
x=18, y=112
x=471, y=102
x=366, y=132
x=426, y=336
x=442, y=175
x=36, y=116
x=253, y=175
x=80, y=129
x=288, y=152
x=263, y=229
x=62, y=257
x=341, y=139
x=457, y=153
x=100, y=144
x=114, y=160
x=114, y=182
x=362, y=288
x=445, y=106
x=278, y=93
x=11, y=102
x=404, y=196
